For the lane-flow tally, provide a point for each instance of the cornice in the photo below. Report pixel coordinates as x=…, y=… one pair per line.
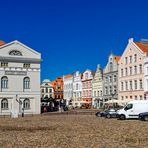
x=20, y=60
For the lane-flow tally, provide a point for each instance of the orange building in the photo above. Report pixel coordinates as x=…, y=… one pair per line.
x=58, y=88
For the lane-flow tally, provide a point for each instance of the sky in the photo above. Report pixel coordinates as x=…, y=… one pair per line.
x=73, y=35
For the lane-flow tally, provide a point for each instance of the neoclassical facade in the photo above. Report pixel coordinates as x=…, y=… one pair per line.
x=47, y=89
x=97, y=88
x=68, y=88
x=110, y=83
x=77, y=89
x=131, y=71
x=20, y=79
x=87, y=78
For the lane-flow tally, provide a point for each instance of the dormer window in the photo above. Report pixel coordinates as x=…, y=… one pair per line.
x=15, y=53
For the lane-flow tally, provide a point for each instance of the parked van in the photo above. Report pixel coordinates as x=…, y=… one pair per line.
x=133, y=109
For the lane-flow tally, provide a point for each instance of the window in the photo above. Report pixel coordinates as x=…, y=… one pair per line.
x=110, y=90
x=130, y=59
x=26, y=65
x=4, y=64
x=135, y=97
x=131, y=85
x=26, y=104
x=26, y=83
x=46, y=89
x=115, y=78
x=135, y=84
x=4, y=82
x=50, y=90
x=4, y=104
x=106, y=79
x=126, y=85
x=122, y=86
x=135, y=69
x=110, y=78
x=140, y=97
x=121, y=72
x=42, y=90
x=15, y=52
x=111, y=66
x=77, y=86
x=94, y=93
x=115, y=89
x=135, y=57
x=106, y=90
x=129, y=106
x=101, y=93
x=125, y=60
x=141, y=84
x=98, y=93
x=140, y=68
x=126, y=71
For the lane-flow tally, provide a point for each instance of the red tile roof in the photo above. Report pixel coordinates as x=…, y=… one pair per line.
x=143, y=47
x=2, y=43
x=68, y=76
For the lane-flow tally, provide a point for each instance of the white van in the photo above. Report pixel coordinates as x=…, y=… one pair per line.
x=133, y=109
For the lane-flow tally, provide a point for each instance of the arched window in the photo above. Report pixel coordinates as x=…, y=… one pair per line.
x=26, y=104
x=15, y=53
x=4, y=82
x=26, y=83
x=4, y=104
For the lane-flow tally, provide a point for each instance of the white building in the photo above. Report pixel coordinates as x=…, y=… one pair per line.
x=20, y=79
x=110, y=73
x=47, y=89
x=131, y=71
x=97, y=88
x=68, y=88
x=77, y=89
x=146, y=77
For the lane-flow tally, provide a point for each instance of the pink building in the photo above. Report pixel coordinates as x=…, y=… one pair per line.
x=87, y=85
x=131, y=72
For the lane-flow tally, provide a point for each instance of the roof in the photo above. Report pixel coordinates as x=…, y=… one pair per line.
x=143, y=47
x=68, y=76
x=46, y=81
x=2, y=43
x=117, y=58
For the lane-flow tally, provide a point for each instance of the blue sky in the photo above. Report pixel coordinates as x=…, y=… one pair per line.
x=73, y=34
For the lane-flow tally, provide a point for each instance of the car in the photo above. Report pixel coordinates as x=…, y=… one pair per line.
x=133, y=109
x=110, y=112
x=143, y=116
